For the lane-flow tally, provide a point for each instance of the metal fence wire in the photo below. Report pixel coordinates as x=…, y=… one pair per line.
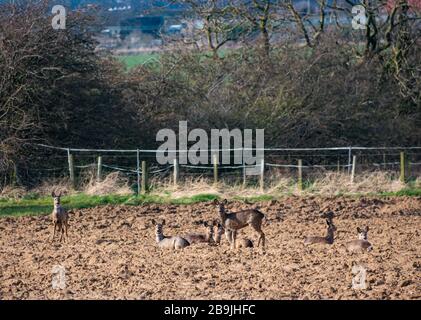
x=405, y=161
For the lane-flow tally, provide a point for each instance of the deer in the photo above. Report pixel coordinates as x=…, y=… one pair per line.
x=360, y=244
x=168, y=242
x=60, y=217
x=200, y=237
x=328, y=239
x=243, y=243
x=232, y=222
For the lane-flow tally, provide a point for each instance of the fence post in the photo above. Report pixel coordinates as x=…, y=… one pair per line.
x=144, y=177
x=403, y=167
x=262, y=174
x=339, y=166
x=15, y=177
x=244, y=175
x=384, y=161
x=300, y=174
x=71, y=168
x=349, y=159
x=138, y=171
x=175, y=172
x=354, y=162
x=99, y=171
x=215, y=170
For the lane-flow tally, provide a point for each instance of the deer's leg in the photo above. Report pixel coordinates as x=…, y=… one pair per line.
x=61, y=230
x=54, y=229
x=234, y=237
x=67, y=227
x=261, y=237
x=228, y=235
x=257, y=226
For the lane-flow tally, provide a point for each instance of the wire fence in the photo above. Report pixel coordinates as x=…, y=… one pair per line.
x=141, y=165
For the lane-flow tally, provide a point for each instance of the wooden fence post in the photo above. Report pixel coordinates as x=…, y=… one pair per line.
x=354, y=162
x=99, y=171
x=403, y=167
x=71, y=168
x=349, y=159
x=215, y=169
x=138, y=171
x=175, y=173
x=300, y=174
x=144, y=178
x=384, y=161
x=262, y=175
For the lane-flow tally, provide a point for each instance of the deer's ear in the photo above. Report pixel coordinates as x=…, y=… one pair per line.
x=206, y=224
x=53, y=194
x=366, y=229
x=153, y=222
x=328, y=222
x=215, y=201
x=163, y=221
x=358, y=230
x=225, y=201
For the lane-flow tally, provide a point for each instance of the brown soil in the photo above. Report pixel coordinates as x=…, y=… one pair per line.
x=111, y=253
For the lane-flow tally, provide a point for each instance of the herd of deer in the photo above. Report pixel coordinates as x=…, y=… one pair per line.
x=230, y=223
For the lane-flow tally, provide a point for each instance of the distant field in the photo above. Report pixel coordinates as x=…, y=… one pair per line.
x=135, y=60
x=132, y=61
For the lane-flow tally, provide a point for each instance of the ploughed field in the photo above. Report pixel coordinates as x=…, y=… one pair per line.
x=111, y=253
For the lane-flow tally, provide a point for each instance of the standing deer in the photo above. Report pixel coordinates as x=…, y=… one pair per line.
x=243, y=243
x=234, y=221
x=361, y=244
x=168, y=242
x=328, y=239
x=200, y=237
x=60, y=217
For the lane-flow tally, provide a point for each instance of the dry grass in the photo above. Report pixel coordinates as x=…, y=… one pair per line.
x=326, y=184
x=334, y=184
x=114, y=183
x=276, y=184
x=58, y=185
x=12, y=192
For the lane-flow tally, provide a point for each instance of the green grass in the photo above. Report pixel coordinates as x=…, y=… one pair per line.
x=32, y=204
x=138, y=59
x=43, y=205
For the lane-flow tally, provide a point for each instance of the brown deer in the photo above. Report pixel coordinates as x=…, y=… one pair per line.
x=328, y=239
x=243, y=243
x=168, y=242
x=361, y=244
x=234, y=221
x=60, y=217
x=200, y=237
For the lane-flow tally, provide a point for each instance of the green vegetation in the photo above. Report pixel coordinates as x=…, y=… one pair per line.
x=138, y=59
x=33, y=205
x=43, y=205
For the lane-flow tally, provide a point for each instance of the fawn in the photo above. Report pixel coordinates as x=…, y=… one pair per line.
x=361, y=244
x=60, y=217
x=238, y=220
x=168, y=242
x=200, y=237
x=328, y=239
x=243, y=243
